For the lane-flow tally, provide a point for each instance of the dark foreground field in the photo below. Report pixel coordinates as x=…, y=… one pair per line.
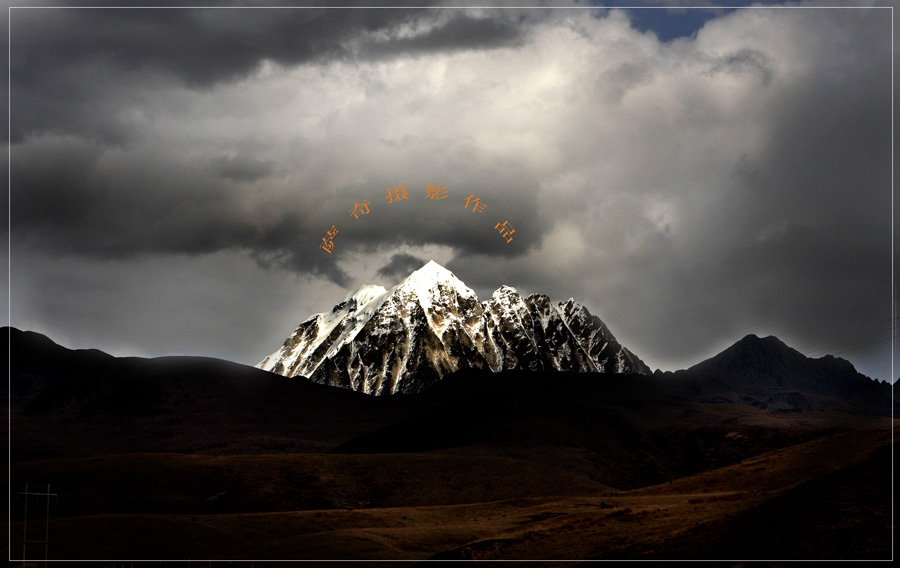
x=198, y=459
x=823, y=499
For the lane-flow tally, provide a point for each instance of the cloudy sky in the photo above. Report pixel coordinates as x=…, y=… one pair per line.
x=691, y=176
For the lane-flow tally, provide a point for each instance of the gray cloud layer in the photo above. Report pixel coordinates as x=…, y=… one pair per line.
x=688, y=192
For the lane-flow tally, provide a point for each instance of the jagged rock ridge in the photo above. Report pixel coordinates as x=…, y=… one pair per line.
x=401, y=340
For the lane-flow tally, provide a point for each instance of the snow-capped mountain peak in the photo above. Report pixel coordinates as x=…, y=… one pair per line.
x=430, y=277
x=365, y=294
x=431, y=324
x=431, y=272
x=504, y=291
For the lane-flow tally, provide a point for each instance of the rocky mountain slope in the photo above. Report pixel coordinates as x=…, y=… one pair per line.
x=401, y=340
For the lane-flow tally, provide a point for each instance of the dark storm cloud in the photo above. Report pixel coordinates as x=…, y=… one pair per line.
x=461, y=32
x=199, y=46
x=102, y=59
x=158, y=203
x=61, y=190
x=99, y=58
x=63, y=204
x=88, y=81
x=827, y=166
x=745, y=60
x=797, y=242
x=400, y=266
x=243, y=168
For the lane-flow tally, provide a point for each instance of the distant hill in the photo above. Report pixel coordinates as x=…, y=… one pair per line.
x=73, y=403
x=766, y=373
x=70, y=403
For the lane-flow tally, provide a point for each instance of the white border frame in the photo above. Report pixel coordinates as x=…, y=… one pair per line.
x=9, y=241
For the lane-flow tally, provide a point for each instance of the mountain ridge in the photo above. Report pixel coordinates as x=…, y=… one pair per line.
x=431, y=324
x=767, y=373
x=79, y=402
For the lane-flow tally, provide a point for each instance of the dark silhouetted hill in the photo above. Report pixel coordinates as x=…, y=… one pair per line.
x=73, y=403
x=620, y=430
x=766, y=373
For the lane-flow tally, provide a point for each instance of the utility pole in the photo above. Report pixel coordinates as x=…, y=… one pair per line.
x=46, y=541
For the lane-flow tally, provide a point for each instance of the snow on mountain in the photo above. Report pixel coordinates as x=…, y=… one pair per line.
x=315, y=337
x=381, y=341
